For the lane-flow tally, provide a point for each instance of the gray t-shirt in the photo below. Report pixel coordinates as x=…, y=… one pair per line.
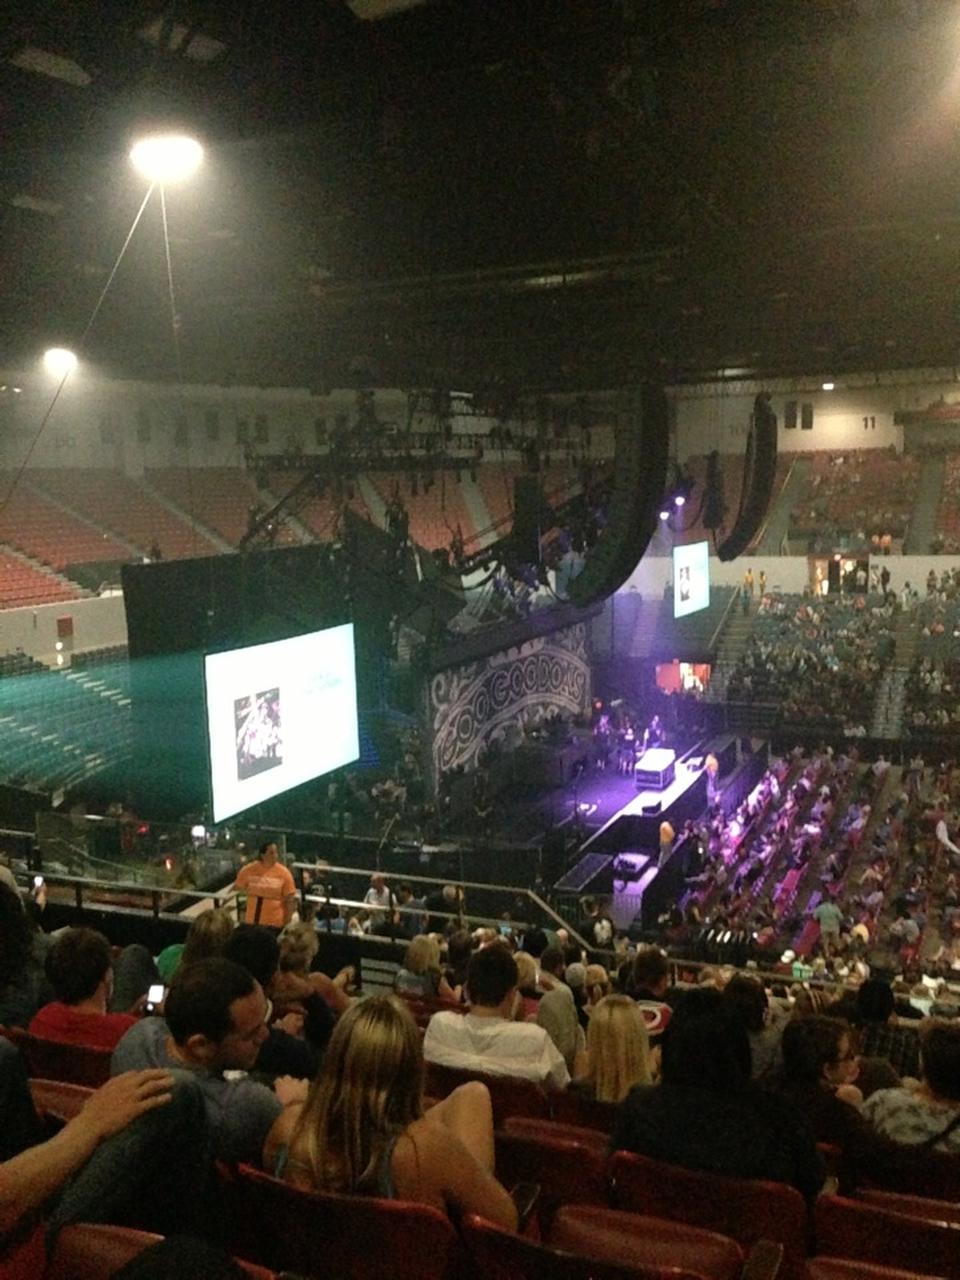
x=241, y=1112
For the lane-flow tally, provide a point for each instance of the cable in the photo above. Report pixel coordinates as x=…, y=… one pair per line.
x=83, y=337
x=175, y=327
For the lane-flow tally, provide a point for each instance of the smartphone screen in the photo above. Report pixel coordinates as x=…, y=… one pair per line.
x=37, y=881
x=155, y=996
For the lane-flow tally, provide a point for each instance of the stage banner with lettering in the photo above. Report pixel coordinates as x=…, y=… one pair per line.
x=500, y=697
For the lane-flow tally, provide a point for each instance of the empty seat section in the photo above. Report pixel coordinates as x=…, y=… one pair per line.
x=21, y=584
x=436, y=513
x=120, y=504
x=38, y=527
x=219, y=497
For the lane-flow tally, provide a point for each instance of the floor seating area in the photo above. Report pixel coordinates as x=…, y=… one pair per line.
x=62, y=728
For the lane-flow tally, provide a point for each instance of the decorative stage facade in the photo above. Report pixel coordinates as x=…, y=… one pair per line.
x=504, y=696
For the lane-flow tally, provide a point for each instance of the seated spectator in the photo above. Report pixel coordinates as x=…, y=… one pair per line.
x=617, y=1055
x=817, y=1077
x=530, y=993
x=881, y=1036
x=363, y=1130
x=420, y=974
x=707, y=1114
x=747, y=1001
x=207, y=937
x=596, y=985
x=284, y=1051
x=488, y=1038
x=80, y=972
x=24, y=986
x=557, y=1008
x=927, y=1117
x=298, y=985
x=28, y=1180
x=459, y=951
x=215, y=1020
x=19, y=1123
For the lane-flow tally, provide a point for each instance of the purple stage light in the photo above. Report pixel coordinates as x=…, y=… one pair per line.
x=664, y=515
x=679, y=500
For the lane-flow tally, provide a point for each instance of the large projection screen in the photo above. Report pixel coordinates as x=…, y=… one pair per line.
x=691, y=578
x=278, y=715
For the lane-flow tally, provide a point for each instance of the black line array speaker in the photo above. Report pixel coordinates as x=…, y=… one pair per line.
x=527, y=505
x=642, y=448
x=759, y=468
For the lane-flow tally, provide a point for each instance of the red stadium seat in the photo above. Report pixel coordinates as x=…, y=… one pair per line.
x=568, y=1164
x=50, y=1060
x=913, y=1206
x=94, y=1252
x=318, y=1234
x=570, y=1108
x=510, y=1096
x=854, y=1229
x=602, y=1244
x=844, y=1269
x=745, y=1210
x=57, y=1099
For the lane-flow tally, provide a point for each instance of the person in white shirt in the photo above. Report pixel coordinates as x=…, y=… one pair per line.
x=487, y=1039
x=943, y=838
x=379, y=900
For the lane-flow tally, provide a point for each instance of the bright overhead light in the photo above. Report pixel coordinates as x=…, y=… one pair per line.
x=827, y=386
x=59, y=362
x=680, y=500
x=166, y=157
x=664, y=515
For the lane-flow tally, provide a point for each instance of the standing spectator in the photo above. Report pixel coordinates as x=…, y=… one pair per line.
x=830, y=918
x=380, y=901
x=271, y=892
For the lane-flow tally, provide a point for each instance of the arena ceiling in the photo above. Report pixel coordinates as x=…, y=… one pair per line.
x=471, y=192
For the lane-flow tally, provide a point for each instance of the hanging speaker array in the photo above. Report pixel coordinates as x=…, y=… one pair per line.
x=759, y=469
x=641, y=451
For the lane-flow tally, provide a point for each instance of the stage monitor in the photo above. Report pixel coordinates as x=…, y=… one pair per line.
x=691, y=578
x=278, y=715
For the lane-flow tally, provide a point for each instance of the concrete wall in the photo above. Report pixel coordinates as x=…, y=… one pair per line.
x=717, y=415
x=784, y=573
x=96, y=623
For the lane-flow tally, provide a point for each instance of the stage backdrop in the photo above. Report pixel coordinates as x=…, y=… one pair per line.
x=499, y=696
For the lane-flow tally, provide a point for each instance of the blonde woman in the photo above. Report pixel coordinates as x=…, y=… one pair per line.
x=363, y=1131
x=421, y=975
x=296, y=982
x=596, y=985
x=618, y=1052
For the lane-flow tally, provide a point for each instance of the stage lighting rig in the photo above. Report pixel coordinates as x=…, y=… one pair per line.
x=677, y=498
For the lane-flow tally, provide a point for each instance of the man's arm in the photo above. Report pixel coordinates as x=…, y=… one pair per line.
x=29, y=1179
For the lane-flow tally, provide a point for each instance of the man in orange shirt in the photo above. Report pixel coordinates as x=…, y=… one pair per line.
x=270, y=889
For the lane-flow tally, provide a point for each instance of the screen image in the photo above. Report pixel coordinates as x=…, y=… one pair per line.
x=278, y=715
x=691, y=578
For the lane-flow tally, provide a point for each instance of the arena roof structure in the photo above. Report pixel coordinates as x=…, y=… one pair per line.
x=544, y=192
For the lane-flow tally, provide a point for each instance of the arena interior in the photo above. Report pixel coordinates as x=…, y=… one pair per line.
x=480, y=565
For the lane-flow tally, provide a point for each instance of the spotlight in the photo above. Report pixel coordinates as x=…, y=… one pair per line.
x=166, y=157
x=679, y=500
x=827, y=386
x=664, y=514
x=59, y=362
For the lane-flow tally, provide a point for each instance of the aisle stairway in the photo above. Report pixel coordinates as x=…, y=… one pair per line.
x=796, y=485
x=733, y=642
x=923, y=521
x=888, y=707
